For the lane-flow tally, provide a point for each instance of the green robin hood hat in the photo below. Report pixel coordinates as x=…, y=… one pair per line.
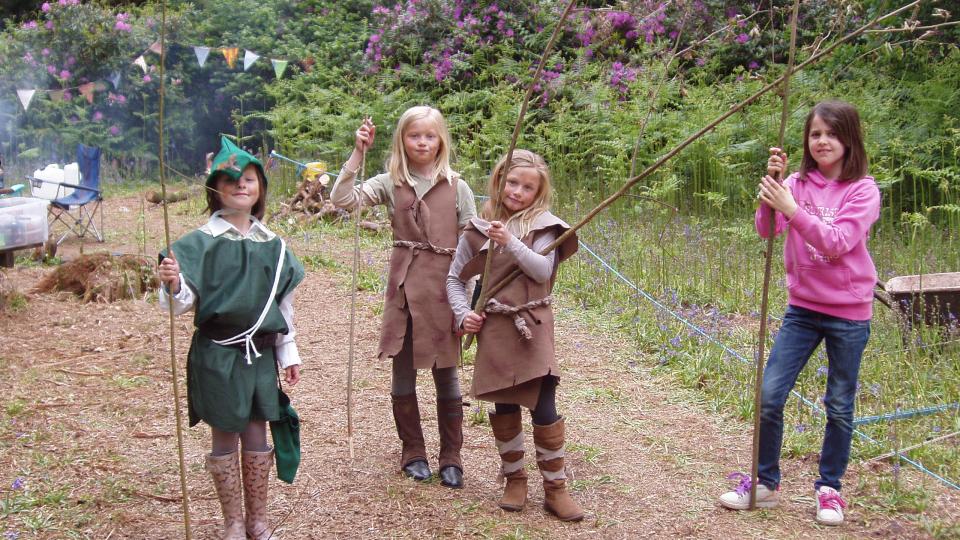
x=232, y=160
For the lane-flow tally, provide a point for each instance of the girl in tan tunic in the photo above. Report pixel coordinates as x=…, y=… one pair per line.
x=428, y=204
x=515, y=362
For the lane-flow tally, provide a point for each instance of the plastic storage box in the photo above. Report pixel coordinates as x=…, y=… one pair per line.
x=23, y=222
x=55, y=177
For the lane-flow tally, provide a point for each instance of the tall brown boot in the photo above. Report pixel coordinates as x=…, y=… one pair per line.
x=225, y=471
x=508, y=432
x=256, y=479
x=450, y=423
x=413, y=456
x=556, y=500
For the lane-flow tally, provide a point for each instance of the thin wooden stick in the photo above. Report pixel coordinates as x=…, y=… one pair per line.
x=484, y=295
x=166, y=231
x=666, y=157
x=353, y=303
x=912, y=447
x=767, y=266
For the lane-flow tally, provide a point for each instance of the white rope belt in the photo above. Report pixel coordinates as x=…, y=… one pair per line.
x=424, y=246
x=495, y=307
x=247, y=337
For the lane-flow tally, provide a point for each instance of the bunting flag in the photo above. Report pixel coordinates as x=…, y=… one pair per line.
x=87, y=90
x=202, y=53
x=230, y=54
x=115, y=79
x=25, y=97
x=140, y=61
x=156, y=48
x=56, y=95
x=249, y=57
x=279, y=66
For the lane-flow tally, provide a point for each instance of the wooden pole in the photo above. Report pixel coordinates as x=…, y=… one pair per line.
x=166, y=231
x=768, y=259
x=484, y=295
x=353, y=304
x=652, y=168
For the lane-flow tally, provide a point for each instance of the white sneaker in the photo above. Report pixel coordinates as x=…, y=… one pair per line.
x=830, y=506
x=740, y=499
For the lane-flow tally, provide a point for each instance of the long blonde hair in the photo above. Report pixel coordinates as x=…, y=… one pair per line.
x=518, y=223
x=397, y=162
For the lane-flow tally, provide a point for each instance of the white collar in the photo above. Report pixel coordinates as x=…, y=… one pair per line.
x=217, y=226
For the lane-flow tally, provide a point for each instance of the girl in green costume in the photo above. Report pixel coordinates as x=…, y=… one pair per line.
x=238, y=278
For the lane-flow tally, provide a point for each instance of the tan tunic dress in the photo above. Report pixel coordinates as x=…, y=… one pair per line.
x=508, y=367
x=415, y=286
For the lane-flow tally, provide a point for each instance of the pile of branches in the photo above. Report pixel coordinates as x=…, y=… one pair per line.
x=311, y=202
x=102, y=277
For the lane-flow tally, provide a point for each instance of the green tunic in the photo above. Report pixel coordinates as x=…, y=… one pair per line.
x=232, y=279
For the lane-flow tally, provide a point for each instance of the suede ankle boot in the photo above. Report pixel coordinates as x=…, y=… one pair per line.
x=413, y=456
x=550, y=456
x=450, y=424
x=508, y=433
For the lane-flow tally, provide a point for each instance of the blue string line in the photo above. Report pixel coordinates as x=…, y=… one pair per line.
x=816, y=408
x=922, y=411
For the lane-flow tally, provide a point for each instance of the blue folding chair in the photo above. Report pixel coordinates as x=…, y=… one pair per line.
x=78, y=210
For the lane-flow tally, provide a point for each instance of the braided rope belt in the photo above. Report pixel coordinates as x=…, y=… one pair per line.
x=424, y=246
x=494, y=306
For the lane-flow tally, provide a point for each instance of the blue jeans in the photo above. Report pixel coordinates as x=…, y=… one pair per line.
x=801, y=333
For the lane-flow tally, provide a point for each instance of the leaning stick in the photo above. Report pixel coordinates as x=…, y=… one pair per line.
x=484, y=295
x=166, y=232
x=911, y=447
x=353, y=304
x=768, y=258
x=730, y=112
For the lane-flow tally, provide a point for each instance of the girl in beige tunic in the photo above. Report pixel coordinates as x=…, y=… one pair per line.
x=515, y=363
x=428, y=204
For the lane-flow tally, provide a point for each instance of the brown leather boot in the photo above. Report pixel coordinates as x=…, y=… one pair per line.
x=450, y=423
x=556, y=500
x=508, y=432
x=413, y=456
x=256, y=478
x=225, y=471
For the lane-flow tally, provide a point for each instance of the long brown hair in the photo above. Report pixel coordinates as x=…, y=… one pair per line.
x=213, y=196
x=844, y=120
x=519, y=223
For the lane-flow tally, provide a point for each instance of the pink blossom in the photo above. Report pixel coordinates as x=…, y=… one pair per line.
x=48, y=25
x=97, y=116
x=375, y=38
x=67, y=95
x=51, y=69
x=114, y=130
x=30, y=25
x=62, y=2
x=64, y=74
x=146, y=78
x=742, y=38
x=45, y=52
x=70, y=61
x=45, y=7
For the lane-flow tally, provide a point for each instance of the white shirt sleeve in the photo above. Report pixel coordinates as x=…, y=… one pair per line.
x=183, y=301
x=456, y=289
x=345, y=193
x=286, y=348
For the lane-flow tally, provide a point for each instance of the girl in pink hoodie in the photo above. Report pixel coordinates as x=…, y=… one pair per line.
x=826, y=209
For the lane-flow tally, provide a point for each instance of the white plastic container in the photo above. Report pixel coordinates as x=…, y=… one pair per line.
x=23, y=222
x=70, y=174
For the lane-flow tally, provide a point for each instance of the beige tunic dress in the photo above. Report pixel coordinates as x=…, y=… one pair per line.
x=508, y=367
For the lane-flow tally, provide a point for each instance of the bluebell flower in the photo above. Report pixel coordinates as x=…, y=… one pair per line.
x=17, y=484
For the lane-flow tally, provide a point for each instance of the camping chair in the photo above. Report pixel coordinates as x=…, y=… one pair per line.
x=12, y=191
x=79, y=209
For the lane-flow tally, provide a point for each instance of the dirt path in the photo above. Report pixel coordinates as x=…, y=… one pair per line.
x=88, y=428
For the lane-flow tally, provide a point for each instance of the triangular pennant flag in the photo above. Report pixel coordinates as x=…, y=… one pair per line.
x=115, y=79
x=230, y=54
x=56, y=95
x=87, y=91
x=140, y=61
x=100, y=86
x=155, y=47
x=279, y=66
x=202, y=53
x=25, y=97
x=249, y=57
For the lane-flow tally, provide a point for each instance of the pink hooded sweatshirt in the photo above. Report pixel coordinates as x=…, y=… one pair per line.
x=829, y=269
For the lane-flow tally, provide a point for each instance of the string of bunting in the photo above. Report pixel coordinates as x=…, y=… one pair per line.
x=87, y=90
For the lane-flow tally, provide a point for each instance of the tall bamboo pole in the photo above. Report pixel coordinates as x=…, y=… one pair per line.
x=767, y=264
x=353, y=304
x=166, y=232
